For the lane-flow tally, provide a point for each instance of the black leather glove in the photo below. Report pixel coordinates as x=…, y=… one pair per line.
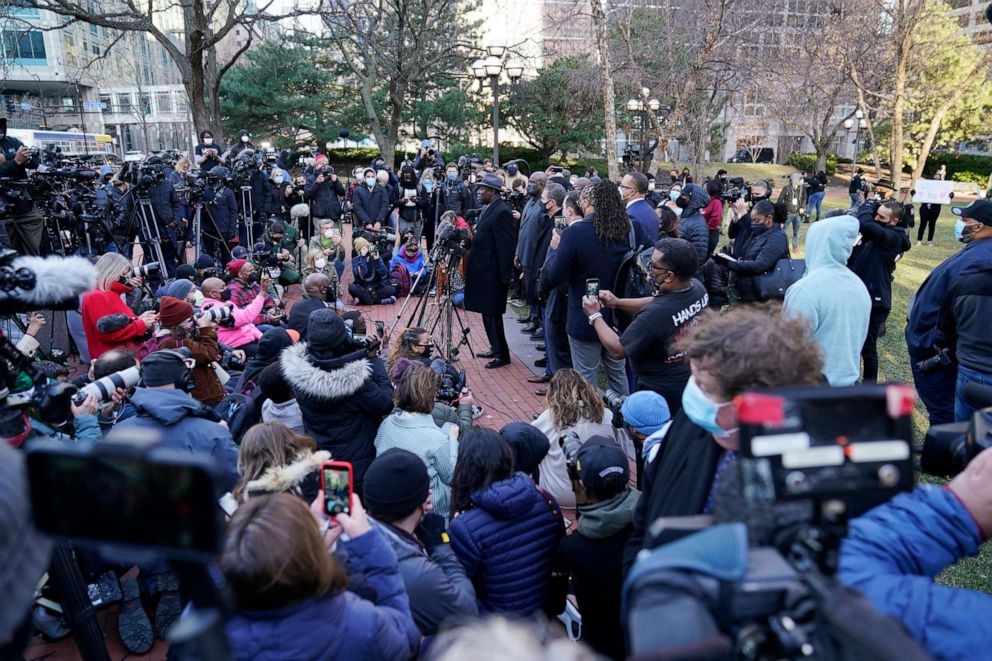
x=432, y=532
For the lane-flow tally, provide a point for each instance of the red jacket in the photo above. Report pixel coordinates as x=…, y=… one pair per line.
x=97, y=304
x=713, y=213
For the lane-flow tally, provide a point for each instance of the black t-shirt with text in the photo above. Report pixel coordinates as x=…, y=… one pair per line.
x=649, y=339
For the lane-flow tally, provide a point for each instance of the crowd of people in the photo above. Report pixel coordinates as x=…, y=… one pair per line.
x=458, y=537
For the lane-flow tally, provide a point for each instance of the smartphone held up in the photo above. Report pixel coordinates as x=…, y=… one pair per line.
x=337, y=484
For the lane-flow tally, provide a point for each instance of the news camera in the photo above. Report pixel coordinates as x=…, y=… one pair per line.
x=736, y=189
x=810, y=459
x=949, y=448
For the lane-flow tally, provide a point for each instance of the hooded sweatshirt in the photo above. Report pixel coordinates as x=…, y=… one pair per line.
x=833, y=299
x=693, y=226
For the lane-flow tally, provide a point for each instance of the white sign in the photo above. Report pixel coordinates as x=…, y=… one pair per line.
x=933, y=191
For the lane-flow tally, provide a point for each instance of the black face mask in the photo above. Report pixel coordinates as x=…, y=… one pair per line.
x=329, y=295
x=530, y=189
x=682, y=202
x=427, y=351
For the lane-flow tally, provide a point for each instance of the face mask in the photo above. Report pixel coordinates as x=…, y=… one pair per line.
x=197, y=298
x=702, y=410
x=471, y=179
x=244, y=138
x=530, y=189
x=428, y=185
x=452, y=176
x=370, y=181
x=682, y=202
x=650, y=185
x=427, y=351
x=620, y=190
x=319, y=263
x=328, y=234
x=961, y=233
x=208, y=141
x=278, y=180
x=674, y=194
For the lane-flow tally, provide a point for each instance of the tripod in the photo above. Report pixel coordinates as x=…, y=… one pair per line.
x=150, y=238
x=217, y=236
x=248, y=215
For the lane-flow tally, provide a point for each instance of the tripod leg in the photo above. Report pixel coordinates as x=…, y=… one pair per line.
x=78, y=611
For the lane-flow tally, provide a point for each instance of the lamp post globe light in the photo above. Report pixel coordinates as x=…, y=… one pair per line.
x=491, y=68
x=638, y=106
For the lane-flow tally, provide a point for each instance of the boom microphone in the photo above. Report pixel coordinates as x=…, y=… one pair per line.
x=444, y=231
x=112, y=323
x=59, y=282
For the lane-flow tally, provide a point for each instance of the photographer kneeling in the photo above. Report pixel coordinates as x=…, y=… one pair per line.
x=239, y=332
x=370, y=285
x=892, y=553
x=275, y=251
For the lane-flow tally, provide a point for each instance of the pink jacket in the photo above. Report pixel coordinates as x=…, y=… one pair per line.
x=244, y=331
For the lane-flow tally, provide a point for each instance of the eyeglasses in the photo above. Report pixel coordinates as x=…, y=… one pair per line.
x=626, y=187
x=659, y=269
x=429, y=344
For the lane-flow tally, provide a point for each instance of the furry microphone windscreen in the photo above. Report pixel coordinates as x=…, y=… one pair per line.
x=59, y=282
x=112, y=323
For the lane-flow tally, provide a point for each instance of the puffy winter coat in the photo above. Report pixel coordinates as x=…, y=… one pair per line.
x=693, y=226
x=764, y=247
x=343, y=400
x=244, y=331
x=185, y=424
x=507, y=545
x=340, y=626
x=892, y=554
x=99, y=303
x=325, y=199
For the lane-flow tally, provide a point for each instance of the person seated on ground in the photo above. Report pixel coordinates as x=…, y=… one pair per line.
x=185, y=289
x=573, y=405
x=326, y=245
x=241, y=333
x=371, y=285
x=278, y=404
x=163, y=404
x=270, y=345
x=505, y=529
x=276, y=250
x=460, y=413
x=529, y=446
x=594, y=554
x=411, y=427
x=179, y=328
x=117, y=408
x=729, y=353
x=893, y=553
x=114, y=278
x=244, y=293
x=398, y=497
x=646, y=419
x=412, y=259
x=290, y=592
x=343, y=391
x=416, y=344
x=275, y=459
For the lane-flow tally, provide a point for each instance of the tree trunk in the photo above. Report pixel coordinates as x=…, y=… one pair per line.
x=869, y=130
x=899, y=98
x=938, y=119
x=821, y=157
x=609, y=100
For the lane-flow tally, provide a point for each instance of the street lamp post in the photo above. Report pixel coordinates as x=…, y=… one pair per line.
x=492, y=67
x=638, y=106
x=861, y=123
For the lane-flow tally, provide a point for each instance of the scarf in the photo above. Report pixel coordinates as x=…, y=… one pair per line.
x=607, y=518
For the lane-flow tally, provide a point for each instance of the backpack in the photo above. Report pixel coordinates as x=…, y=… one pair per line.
x=633, y=278
x=401, y=280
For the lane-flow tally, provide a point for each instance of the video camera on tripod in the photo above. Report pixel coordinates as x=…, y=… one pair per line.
x=736, y=189
x=143, y=176
x=809, y=460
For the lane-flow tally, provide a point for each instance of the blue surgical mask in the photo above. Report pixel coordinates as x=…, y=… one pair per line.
x=452, y=176
x=702, y=410
x=370, y=181
x=674, y=194
x=428, y=185
x=959, y=227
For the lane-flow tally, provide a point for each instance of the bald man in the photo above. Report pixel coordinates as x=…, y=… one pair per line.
x=321, y=292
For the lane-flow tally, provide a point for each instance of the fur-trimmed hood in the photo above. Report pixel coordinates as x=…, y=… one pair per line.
x=332, y=378
x=289, y=478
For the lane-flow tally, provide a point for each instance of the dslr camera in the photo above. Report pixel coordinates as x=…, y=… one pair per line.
x=736, y=189
x=614, y=401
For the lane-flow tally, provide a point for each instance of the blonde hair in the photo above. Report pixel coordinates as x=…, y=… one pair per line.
x=428, y=174
x=449, y=216
x=109, y=268
x=268, y=445
x=571, y=398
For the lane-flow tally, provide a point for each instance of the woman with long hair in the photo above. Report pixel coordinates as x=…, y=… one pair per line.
x=572, y=405
x=506, y=530
x=275, y=459
x=290, y=593
x=114, y=280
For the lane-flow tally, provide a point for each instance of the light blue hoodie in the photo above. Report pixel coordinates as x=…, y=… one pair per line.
x=832, y=298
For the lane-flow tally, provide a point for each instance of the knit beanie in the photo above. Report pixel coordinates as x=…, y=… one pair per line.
x=326, y=332
x=161, y=368
x=273, y=384
x=204, y=262
x=185, y=272
x=396, y=483
x=360, y=243
x=180, y=289
x=645, y=411
x=172, y=311
x=24, y=550
x=235, y=265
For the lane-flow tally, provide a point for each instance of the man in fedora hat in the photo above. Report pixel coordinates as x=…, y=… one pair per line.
x=490, y=268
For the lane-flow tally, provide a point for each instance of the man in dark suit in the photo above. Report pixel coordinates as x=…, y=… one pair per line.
x=490, y=268
x=633, y=189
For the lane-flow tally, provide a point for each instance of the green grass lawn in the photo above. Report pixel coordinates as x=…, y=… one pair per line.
x=911, y=270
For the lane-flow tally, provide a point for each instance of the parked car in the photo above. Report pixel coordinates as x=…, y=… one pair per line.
x=765, y=155
x=134, y=156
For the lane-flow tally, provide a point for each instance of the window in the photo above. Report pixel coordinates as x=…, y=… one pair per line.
x=26, y=46
x=107, y=100
x=124, y=102
x=181, y=105
x=164, y=101
x=146, y=103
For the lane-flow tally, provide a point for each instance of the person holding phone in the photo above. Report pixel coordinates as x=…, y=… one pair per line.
x=371, y=285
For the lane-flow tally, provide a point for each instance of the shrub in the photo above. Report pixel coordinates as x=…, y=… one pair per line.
x=807, y=162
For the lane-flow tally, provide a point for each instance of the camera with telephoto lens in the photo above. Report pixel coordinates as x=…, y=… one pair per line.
x=146, y=270
x=231, y=362
x=222, y=315
x=942, y=360
x=736, y=189
x=103, y=388
x=374, y=237
x=949, y=448
x=325, y=171
x=614, y=401
x=570, y=445
x=450, y=388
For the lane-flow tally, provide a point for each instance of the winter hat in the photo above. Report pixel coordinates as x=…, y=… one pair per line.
x=274, y=385
x=277, y=227
x=645, y=411
x=396, y=483
x=24, y=550
x=235, y=265
x=597, y=459
x=399, y=369
x=172, y=311
x=326, y=332
x=272, y=342
x=239, y=252
x=360, y=243
x=529, y=444
x=186, y=272
x=163, y=367
x=204, y=262
x=181, y=287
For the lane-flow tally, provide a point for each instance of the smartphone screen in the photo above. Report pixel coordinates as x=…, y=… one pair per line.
x=337, y=484
x=559, y=223
x=592, y=287
x=380, y=328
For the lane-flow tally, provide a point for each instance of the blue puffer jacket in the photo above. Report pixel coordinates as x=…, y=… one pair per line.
x=892, y=554
x=507, y=545
x=341, y=626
